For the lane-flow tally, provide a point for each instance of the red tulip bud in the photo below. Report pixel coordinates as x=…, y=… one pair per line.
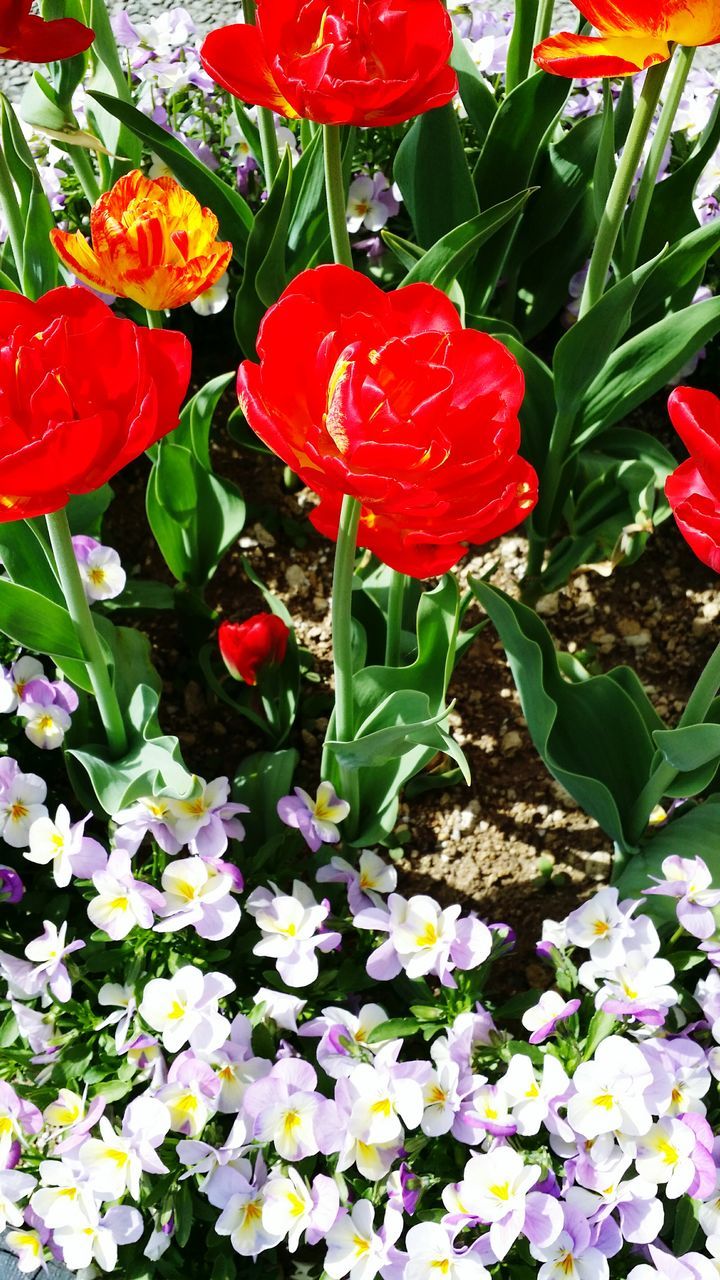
x=247, y=647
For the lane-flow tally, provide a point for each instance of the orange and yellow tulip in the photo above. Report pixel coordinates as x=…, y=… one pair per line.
x=151, y=241
x=634, y=35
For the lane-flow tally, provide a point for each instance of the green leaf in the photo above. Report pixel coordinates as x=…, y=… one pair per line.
x=537, y=412
x=645, y=364
x=694, y=832
x=593, y=737
x=477, y=97
x=521, y=40
x=395, y=728
x=441, y=264
x=37, y=623
x=671, y=214
x=262, y=780
x=678, y=268
x=264, y=275
x=433, y=175
x=40, y=263
x=27, y=559
x=563, y=176
x=233, y=212
x=176, y=487
x=109, y=83
x=689, y=747
x=394, y=1029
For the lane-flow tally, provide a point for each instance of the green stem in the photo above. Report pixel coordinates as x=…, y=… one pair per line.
x=155, y=319
x=342, y=642
x=696, y=711
x=87, y=178
x=663, y=133
x=265, y=119
x=336, y=195
x=614, y=212
x=13, y=217
x=543, y=26
x=521, y=44
x=396, y=600
x=79, y=610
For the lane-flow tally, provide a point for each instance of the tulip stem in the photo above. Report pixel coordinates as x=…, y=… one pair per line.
x=85, y=173
x=266, y=121
x=614, y=212
x=641, y=204
x=396, y=600
x=521, y=44
x=13, y=217
x=79, y=610
x=543, y=26
x=342, y=644
x=155, y=319
x=336, y=195
x=699, y=704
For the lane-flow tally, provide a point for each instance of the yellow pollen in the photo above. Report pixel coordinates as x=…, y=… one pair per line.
x=501, y=1190
x=119, y=904
x=428, y=937
x=361, y=1245
x=533, y=1092
x=187, y=1105
x=6, y=1126
x=668, y=1152
x=437, y=1096
x=118, y=1157
x=600, y=928
x=227, y=1072
x=567, y=1264
x=196, y=808
x=297, y=1208
x=57, y=843
x=630, y=992
x=442, y=1265
x=45, y=723
x=383, y=1107
x=677, y=1095
x=491, y=1113
x=177, y=1010
x=18, y=811
x=97, y=576
x=604, y=1100
x=291, y=1121
x=185, y=889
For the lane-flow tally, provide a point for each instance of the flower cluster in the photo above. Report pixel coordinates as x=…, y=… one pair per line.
x=401, y=1136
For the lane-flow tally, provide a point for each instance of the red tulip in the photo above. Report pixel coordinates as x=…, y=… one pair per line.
x=247, y=647
x=28, y=38
x=82, y=393
x=363, y=62
x=634, y=34
x=384, y=396
x=693, y=491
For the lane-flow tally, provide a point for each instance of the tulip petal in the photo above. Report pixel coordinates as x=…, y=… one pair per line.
x=37, y=40
x=588, y=57
x=695, y=416
x=697, y=511
x=234, y=57
x=683, y=23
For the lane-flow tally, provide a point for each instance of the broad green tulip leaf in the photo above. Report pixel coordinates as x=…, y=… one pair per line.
x=262, y=780
x=522, y=38
x=645, y=364
x=671, y=215
x=542, y=286
x=395, y=728
x=441, y=264
x=175, y=482
x=407, y=253
x=27, y=559
x=694, y=750
x=39, y=268
x=168, y=534
x=143, y=593
x=593, y=737
x=477, y=97
x=219, y=521
x=537, y=412
x=677, y=269
x=582, y=353
x=37, y=623
x=109, y=76
x=264, y=275
x=563, y=176
x=432, y=173
x=308, y=239
x=233, y=212
x=86, y=510
x=196, y=419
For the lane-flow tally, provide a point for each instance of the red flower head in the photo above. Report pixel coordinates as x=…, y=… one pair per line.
x=693, y=491
x=28, y=38
x=384, y=396
x=634, y=34
x=82, y=393
x=363, y=62
x=247, y=647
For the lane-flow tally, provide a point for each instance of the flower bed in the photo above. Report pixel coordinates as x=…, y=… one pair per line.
x=238, y=1021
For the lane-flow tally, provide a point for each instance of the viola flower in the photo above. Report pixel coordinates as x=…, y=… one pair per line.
x=122, y=1001
x=291, y=1207
x=693, y=490
x=545, y=1017
x=103, y=576
x=384, y=397
x=14, y=1186
x=317, y=819
x=247, y=648
x=28, y=1246
x=574, y=1253
x=184, y=1009
x=292, y=925
x=151, y=241
x=242, y=1200
x=365, y=883
x=423, y=938
x=25, y=37
x=122, y=902
x=634, y=35
x=213, y=300
x=494, y=1190
x=199, y=894
x=150, y=815
x=368, y=63
x=12, y=888
x=46, y=723
x=208, y=821
x=18, y=1117
x=431, y=1252
x=690, y=880
x=21, y=802
x=65, y=847
x=14, y=680
x=355, y=1248
x=48, y=952
x=371, y=201
x=285, y=1109
x=344, y=1037
x=70, y=1118
x=74, y=421
x=609, y=1091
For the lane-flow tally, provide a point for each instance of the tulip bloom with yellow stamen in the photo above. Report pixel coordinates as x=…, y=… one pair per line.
x=150, y=241
x=634, y=35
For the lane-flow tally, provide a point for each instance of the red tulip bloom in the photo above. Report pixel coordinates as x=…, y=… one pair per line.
x=363, y=62
x=82, y=393
x=248, y=647
x=28, y=38
x=634, y=35
x=693, y=491
x=384, y=396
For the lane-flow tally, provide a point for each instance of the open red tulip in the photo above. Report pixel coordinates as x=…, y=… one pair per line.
x=693, y=491
x=25, y=37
